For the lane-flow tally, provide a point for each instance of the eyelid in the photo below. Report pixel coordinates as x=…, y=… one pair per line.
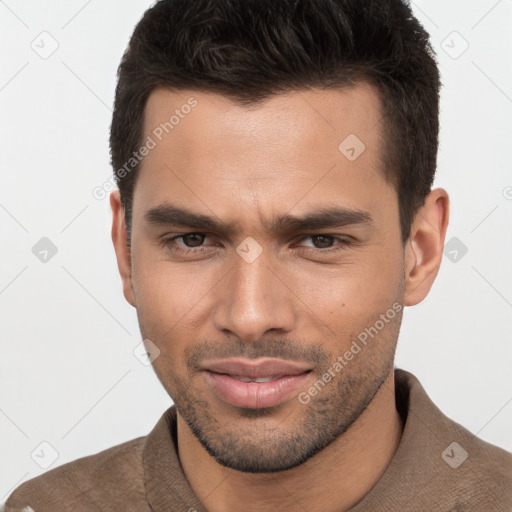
x=167, y=239
x=342, y=238
x=343, y=242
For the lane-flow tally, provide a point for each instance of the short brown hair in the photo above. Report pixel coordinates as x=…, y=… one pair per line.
x=248, y=50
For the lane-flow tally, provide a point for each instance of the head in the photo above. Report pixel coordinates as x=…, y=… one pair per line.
x=275, y=163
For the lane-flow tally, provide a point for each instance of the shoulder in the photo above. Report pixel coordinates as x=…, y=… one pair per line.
x=464, y=469
x=85, y=483
x=485, y=471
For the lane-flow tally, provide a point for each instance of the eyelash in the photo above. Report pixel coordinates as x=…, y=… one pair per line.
x=168, y=243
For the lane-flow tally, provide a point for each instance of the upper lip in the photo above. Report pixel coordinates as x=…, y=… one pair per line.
x=255, y=369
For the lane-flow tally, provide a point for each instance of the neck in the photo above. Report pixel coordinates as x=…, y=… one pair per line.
x=335, y=479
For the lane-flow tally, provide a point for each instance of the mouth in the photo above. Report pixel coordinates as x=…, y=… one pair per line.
x=258, y=379
x=255, y=384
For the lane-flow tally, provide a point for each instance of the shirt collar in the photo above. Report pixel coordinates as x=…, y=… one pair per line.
x=416, y=465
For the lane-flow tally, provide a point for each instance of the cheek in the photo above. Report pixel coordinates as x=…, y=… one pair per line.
x=349, y=296
x=170, y=301
x=162, y=307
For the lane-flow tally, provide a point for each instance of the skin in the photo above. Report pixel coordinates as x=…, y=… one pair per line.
x=244, y=166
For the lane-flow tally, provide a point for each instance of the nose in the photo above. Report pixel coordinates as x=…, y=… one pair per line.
x=254, y=301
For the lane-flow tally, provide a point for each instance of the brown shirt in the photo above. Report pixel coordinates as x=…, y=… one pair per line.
x=438, y=466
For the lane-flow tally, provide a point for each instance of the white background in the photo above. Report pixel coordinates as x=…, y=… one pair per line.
x=67, y=372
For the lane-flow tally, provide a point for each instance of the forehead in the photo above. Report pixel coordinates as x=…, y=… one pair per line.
x=296, y=116
x=293, y=150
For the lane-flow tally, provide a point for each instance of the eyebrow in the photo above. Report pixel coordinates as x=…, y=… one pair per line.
x=328, y=217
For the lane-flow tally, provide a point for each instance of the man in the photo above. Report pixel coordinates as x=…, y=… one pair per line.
x=275, y=214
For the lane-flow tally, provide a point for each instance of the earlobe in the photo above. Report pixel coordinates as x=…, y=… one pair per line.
x=121, y=247
x=424, y=249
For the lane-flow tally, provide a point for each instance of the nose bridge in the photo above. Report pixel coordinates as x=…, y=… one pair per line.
x=253, y=301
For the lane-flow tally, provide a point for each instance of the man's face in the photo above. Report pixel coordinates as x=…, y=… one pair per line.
x=256, y=293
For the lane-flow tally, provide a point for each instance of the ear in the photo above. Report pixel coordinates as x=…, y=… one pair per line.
x=121, y=246
x=424, y=249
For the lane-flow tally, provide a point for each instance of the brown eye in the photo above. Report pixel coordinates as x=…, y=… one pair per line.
x=193, y=239
x=324, y=244
x=322, y=241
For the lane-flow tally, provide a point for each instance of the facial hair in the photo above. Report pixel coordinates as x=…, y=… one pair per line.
x=254, y=442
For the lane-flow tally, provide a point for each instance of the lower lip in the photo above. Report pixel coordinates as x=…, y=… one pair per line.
x=255, y=395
